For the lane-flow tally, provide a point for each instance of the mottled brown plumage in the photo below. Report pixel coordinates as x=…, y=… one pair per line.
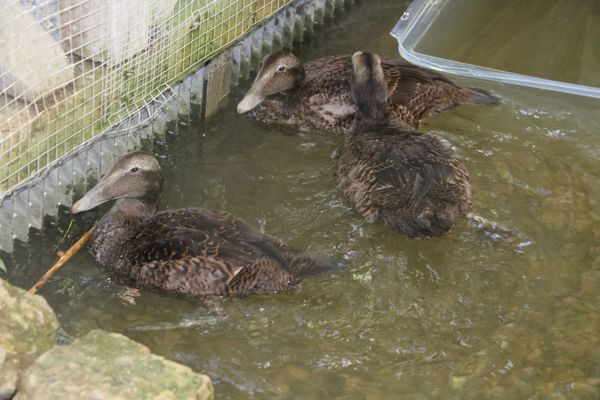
x=316, y=95
x=190, y=252
x=410, y=181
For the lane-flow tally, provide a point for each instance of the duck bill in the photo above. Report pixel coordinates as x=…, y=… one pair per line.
x=254, y=96
x=92, y=199
x=250, y=100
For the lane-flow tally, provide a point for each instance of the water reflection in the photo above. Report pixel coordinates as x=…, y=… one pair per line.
x=505, y=307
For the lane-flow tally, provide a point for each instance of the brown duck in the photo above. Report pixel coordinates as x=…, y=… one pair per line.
x=190, y=252
x=316, y=95
x=410, y=181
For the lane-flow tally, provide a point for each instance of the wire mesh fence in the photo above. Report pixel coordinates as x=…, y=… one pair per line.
x=71, y=68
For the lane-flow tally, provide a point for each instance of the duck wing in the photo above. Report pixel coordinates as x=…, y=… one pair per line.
x=331, y=75
x=410, y=181
x=405, y=80
x=413, y=92
x=194, y=253
x=418, y=165
x=426, y=91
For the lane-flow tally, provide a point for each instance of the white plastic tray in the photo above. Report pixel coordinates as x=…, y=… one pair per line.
x=417, y=22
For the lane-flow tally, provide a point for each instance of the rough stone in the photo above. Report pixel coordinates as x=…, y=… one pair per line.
x=28, y=328
x=8, y=378
x=104, y=365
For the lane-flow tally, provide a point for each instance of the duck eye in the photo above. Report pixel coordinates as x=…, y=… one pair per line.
x=281, y=69
x=135, y=169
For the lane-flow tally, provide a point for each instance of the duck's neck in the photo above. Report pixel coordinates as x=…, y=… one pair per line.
x=370, y=98
x=290, y=98
x=371, y=116
x=112, y=232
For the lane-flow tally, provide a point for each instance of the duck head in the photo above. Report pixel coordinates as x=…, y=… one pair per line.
x=279, y=72
x=135, y=176
x=367, y=80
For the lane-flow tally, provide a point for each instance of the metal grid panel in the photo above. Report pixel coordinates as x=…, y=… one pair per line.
x=69, y=69
x=26, y=206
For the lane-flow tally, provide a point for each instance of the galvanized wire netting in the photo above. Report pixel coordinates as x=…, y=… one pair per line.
x=71, y=68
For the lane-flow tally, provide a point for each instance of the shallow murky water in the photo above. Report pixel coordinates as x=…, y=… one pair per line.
x=507, y=312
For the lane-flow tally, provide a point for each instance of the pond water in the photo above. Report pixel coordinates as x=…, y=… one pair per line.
x=503, y=309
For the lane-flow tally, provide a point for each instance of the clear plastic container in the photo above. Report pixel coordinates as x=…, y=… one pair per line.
x=545, y=44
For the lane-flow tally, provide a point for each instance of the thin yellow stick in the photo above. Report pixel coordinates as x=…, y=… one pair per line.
x=62, y=260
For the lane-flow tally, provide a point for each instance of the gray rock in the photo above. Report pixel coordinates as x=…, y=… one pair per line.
x=28, y=328
x=104, y=365
x=8, y=378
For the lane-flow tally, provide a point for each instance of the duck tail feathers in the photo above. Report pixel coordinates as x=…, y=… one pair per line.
x=478, y=96
x=305, y=264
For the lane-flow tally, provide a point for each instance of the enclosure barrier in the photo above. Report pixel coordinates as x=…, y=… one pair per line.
x=84, y=81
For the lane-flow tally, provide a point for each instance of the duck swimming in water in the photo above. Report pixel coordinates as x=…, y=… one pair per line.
x=316, y=95
x=189, y=251
x=410, y=181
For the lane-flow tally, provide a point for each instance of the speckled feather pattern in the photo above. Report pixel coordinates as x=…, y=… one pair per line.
x=197, y=253
x=410, y=181
x=323, y=102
